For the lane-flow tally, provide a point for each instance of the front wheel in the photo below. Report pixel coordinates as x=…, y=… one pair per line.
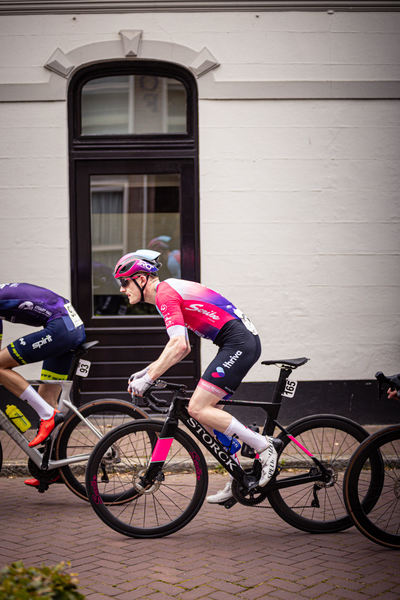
x=381, y=522
x=75, y=437
x=317, y=506
x=165, y=505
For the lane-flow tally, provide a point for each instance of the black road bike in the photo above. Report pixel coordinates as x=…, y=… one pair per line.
x=159, y=475
x=374, y=473
x=67, y=449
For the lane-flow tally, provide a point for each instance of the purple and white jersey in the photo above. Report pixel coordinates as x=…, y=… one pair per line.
x=30, y=304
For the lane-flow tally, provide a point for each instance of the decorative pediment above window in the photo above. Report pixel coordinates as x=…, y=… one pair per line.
x=131, y=41
x=203, y=63
x=59, y=63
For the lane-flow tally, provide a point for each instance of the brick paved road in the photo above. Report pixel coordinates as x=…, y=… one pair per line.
x=241, y=553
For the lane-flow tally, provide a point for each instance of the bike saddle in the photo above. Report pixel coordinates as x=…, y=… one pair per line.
x=84, y=347
x=292, y=363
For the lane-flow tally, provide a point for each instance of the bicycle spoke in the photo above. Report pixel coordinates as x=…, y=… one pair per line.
x=317, y=505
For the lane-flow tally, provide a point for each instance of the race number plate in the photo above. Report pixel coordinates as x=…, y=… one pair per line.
x=83, y=368
x=290, y=388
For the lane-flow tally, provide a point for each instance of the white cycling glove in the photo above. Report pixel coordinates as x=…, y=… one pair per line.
x=139, y=374
x=137, y=387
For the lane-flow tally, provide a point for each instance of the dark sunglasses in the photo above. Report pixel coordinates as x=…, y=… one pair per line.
x=124, y=282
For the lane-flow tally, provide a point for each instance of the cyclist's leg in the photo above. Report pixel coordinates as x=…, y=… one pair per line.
x=55, y=339
x=54, y=368
x=239, y=351
x=16, y=383
x=11, y=380
x=57, y=358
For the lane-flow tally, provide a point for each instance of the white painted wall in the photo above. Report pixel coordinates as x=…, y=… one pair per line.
x=299, y=199
x=300, y=227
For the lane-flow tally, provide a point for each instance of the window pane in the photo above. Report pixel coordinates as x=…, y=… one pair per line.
x=128, y=213
x=133, y=104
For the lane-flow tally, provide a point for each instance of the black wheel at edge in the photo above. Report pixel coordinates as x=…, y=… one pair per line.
x=332, y=440
x=172, y=502
x=75, y=437
x=381, y=523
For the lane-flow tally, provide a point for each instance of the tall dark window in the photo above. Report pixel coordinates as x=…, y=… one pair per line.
x=134, y=184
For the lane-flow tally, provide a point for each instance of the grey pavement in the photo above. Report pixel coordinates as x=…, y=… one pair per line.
x=246, y=553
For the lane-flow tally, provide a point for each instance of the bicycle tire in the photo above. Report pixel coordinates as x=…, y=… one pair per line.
x=171, y=503
x=332, y=440
x=381, y=523
x=76, y=438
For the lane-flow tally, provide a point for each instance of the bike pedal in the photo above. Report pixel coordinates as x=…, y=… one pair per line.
x=229, y=503
x=43, y=487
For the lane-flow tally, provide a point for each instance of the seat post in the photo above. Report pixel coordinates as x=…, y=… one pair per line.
x=280, y=385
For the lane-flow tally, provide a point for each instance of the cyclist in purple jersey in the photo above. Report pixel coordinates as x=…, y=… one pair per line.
x=188, y=305
x=62, y=332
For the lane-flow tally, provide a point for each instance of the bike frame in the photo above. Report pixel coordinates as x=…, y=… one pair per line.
x=178, y=412
x=43, y=460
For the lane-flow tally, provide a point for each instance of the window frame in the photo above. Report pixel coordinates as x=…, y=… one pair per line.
x=185, y=141
x=164, y=149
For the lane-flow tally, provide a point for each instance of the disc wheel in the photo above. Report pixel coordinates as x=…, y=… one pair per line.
x=317, y=506
x=163, y=506
x=380, y=522
x=75, y=437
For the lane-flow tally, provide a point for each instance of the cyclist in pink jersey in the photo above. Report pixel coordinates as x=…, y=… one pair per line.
x=189, y=305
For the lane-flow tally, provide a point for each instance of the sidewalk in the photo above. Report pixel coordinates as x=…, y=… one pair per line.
x=244, y=553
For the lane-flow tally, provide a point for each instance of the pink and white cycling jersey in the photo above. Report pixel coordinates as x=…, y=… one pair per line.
x=187, y=304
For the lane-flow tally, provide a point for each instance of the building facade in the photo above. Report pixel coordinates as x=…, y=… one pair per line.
x=255, y=143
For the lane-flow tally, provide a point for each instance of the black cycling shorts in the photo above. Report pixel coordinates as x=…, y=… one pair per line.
x=239, y=350
x=52, y=345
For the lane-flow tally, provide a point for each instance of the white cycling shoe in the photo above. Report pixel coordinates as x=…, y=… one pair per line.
x=269, y=459
x=222, y=495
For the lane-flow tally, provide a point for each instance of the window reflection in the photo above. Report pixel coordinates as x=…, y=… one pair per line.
x=133, y=104
x=127, y=213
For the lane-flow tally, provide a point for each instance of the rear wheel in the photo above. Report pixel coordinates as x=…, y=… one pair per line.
x=317, y=506
x=75, y=436
x=381, y=521
x=165, y=504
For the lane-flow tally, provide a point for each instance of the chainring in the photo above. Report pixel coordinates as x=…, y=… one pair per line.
x=248, y=498
x=39, y=474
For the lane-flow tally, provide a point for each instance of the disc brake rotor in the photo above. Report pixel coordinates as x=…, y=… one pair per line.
x=333, y=477
x=151, y=488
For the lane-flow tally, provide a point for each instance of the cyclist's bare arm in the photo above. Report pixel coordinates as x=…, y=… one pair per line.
x=177, y=348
